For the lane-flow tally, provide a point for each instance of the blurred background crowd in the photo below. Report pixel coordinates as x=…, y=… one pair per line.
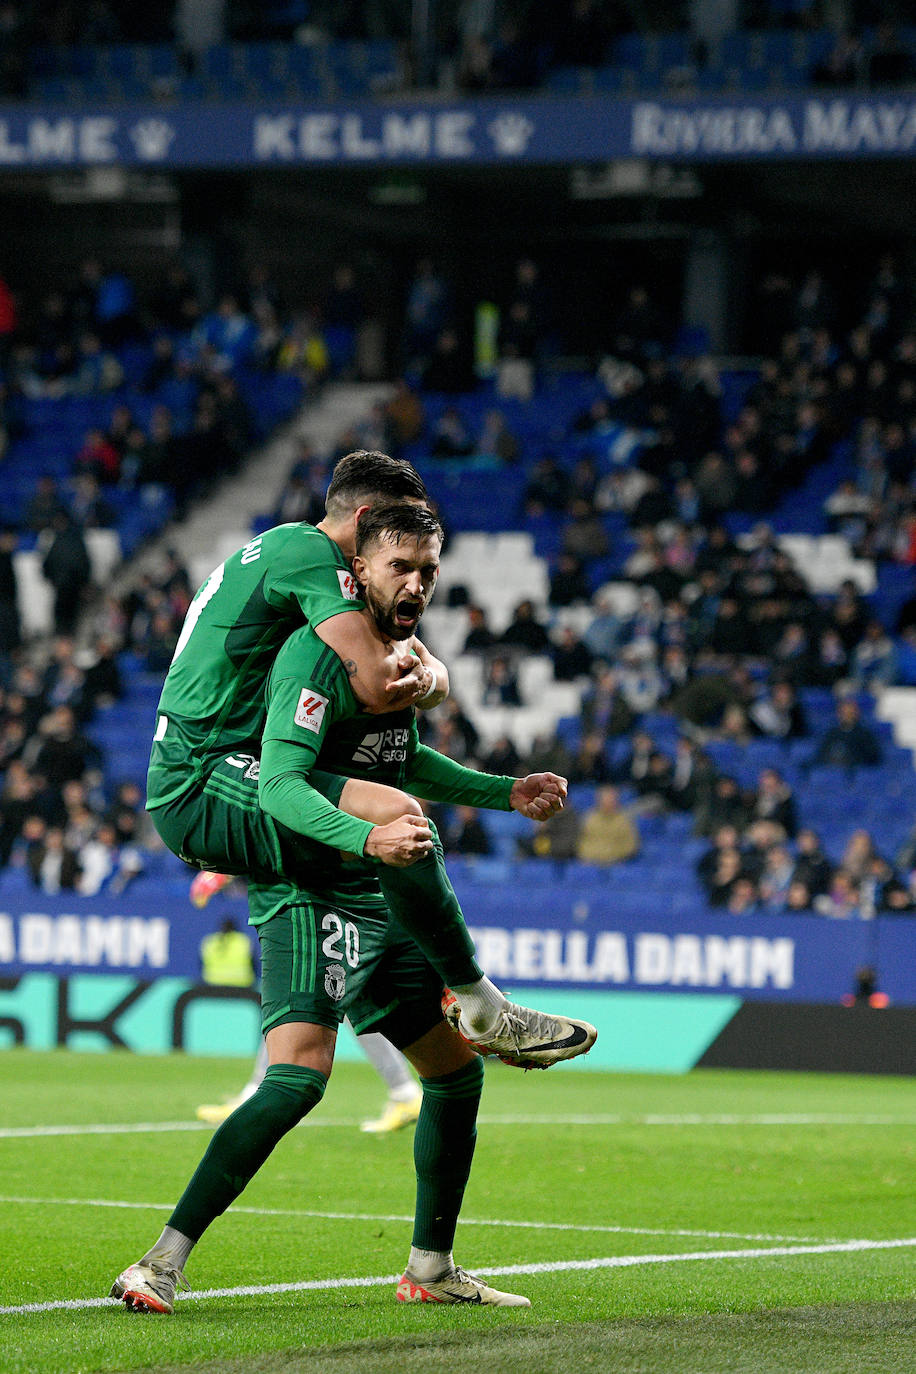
x=717, y=684
x=681, y=548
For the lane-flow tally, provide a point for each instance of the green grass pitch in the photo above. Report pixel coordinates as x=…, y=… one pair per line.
x=717, y=1221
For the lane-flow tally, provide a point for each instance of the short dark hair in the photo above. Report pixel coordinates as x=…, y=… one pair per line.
x=367, y=477
x=395, y=523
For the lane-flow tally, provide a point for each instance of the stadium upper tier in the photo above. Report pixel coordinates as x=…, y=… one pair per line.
x=745, y=61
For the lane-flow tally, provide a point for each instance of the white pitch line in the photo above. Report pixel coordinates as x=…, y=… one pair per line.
x=781, y=1119
x=598, y=1119
x=311, y=1214
x=553, y=1267
x=695, y=1119
x=127, y=1128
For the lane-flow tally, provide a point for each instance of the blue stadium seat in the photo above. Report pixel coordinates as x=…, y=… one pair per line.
x=632, y=50
x=224, y=71
x=306, y=62
x=671, y=50
x=263, y=61
x=574, y=80
x=53, y=89
x=80, y=60
x=619, y=80
x=809, y=49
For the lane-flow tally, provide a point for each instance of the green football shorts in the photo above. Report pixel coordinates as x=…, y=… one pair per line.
x=322, y=961
x=220, y=825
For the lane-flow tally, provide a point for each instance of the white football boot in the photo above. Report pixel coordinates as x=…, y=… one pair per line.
x=457, y=1287
x=148, y=1288
x=524, y=1038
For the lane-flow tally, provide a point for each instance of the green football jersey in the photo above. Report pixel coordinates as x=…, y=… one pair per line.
x=314, y=722
x=363, y=746
x=212, y=702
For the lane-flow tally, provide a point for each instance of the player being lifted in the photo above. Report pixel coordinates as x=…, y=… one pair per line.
x=329, y=946
x=204, y=757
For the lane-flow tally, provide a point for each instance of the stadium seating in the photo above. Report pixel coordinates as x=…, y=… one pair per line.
x=53, y=429
x=746, y=61
x=256, y=70
x=499, y=551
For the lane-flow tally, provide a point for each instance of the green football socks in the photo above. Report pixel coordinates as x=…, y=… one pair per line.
x=443, y=1149
x=242, y=1144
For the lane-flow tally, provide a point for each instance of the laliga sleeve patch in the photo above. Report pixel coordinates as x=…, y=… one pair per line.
x=311, y=709
x=349, y=587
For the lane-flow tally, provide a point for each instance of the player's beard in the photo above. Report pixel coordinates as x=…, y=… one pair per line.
x=384, y=614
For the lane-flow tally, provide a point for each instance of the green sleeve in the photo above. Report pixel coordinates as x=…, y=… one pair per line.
x=286, y=794
x=310, y=572
x=436, y=778
x=307, y=690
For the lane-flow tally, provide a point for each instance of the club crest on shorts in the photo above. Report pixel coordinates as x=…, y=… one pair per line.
x=349, y=587
x=248, y=763
x=335, y=981
x=311, y=709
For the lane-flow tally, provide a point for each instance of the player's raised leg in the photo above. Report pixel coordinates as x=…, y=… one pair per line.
x=477, y=1009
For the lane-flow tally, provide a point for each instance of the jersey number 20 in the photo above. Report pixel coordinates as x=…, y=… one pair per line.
x=340, y=931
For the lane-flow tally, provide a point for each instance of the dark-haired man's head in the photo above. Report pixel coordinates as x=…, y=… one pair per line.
x=397, y=564
x=361, y=480
x=367, y=478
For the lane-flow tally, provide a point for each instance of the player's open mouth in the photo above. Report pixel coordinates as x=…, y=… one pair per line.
x=407, y=613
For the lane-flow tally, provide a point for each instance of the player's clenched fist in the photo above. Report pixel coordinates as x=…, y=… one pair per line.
x=539, y=796
x=401, y=843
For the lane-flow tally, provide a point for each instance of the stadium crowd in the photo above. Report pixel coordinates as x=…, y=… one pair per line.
x=58, y=818
x=726, y=635
x=170, y=367
x=723, y=637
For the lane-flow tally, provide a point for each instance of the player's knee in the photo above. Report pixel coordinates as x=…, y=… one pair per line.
x=471, y=1077
x=289, y=1092
x=382, y=805
x=396, y=804
x=464, y=1082
x=409, y=806
x=443, y=1057
x=303, y=1045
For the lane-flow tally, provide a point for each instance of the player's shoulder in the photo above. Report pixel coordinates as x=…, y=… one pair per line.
x=304, y=655
x=306, y=544
x=300, y=646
